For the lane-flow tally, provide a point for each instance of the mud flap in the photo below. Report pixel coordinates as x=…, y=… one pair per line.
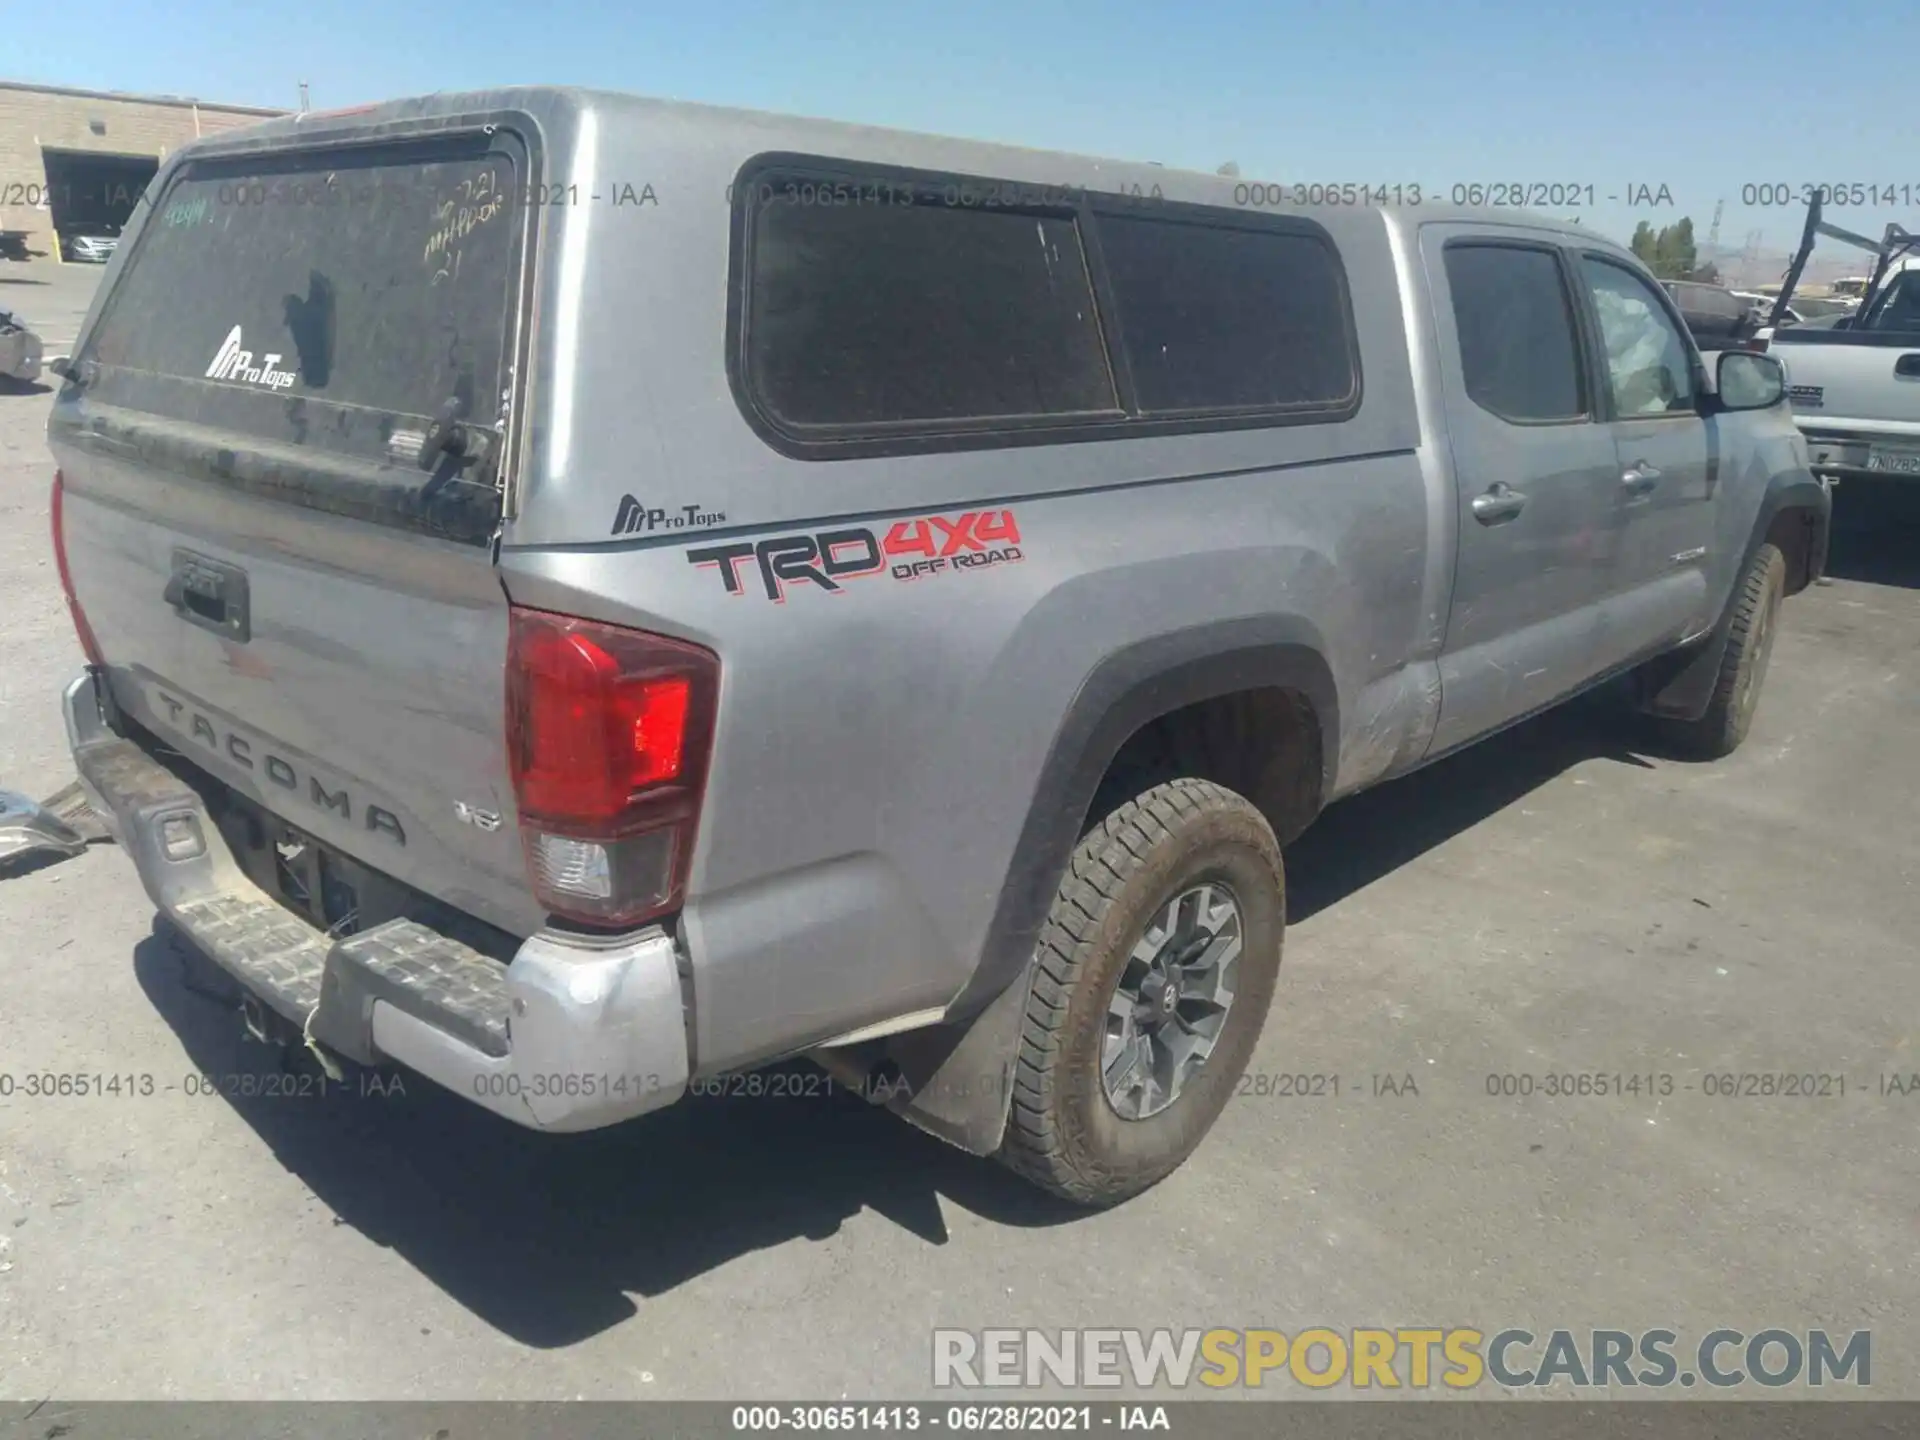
x=1680, y=686
x=958, y=1077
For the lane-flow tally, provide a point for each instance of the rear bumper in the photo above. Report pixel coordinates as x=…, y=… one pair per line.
x=1846, y=457
x=571, y=1035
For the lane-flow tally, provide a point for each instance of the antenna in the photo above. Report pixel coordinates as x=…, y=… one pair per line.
x=303, y=97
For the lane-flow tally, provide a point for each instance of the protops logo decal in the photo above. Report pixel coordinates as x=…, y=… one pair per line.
x=231, y=362
x=913, y=549
x=633, y=518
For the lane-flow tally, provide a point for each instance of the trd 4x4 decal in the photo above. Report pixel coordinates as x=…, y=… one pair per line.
x=924, y=545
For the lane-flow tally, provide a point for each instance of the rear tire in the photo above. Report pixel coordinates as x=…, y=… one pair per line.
x=1743, y=666
x=1122, y=1015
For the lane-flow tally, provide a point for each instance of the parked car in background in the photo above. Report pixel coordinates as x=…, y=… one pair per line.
x=20, y=351
x=1823, y=307
x=1855, y=379
x=1717, y=318
x=1763, y=306
x=94, y=246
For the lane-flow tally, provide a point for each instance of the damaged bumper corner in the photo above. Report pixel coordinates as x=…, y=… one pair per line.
x=67, y=822
x=28, y=827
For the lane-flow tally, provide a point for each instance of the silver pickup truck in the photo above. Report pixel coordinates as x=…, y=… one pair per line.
x=1856, y=387
x=583, y=594
x=1855, y=382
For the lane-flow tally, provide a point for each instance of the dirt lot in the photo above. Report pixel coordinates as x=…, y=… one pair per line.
x=1551, y=902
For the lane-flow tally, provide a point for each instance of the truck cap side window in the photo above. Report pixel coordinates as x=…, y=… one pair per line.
x=888, y=313
x=1518, y=352
x=1218, y=318
x=1647, y=365
x=883, y=312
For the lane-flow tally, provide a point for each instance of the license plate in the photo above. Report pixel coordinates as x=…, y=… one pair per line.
x=1894, y=462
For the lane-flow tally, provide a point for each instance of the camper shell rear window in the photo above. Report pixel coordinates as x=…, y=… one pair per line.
x=331, y=305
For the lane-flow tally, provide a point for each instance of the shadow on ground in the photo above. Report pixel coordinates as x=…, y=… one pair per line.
x=545, y=1236
x=1360, y=840
x=1876, y=532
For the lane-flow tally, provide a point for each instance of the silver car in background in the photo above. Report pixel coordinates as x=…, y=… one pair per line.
x=92, y=246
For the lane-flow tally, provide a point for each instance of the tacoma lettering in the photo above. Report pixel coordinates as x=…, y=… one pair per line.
x=279, y=770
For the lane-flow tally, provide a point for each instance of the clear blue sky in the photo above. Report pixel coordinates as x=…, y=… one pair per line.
x=1408, y=91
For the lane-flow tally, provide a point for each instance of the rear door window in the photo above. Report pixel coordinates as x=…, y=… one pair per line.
x=336, y=301
x=1519, y=352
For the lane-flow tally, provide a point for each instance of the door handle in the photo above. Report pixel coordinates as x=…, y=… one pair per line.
x=1500, y=502
x=1639, y=477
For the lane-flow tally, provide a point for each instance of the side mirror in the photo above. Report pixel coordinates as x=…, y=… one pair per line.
x=1749, y=381
x=61, y=365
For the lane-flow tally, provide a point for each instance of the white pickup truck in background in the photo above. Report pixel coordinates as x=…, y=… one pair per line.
x=1855, y=384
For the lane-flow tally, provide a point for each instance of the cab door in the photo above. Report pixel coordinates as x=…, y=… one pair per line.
x=1668, y=453
x=1536, y=475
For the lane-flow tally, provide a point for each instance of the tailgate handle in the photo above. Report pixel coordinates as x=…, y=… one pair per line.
x=210, y=594
x=1908, y=366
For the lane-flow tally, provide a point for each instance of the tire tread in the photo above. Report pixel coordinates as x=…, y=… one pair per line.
x=1103, y=862
x=1717, y=733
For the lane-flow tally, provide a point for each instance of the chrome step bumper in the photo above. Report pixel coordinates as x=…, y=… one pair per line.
x=573, y=1034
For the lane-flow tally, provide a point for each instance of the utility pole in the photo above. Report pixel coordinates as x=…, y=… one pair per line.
x=1713, y=234
x=303, y=97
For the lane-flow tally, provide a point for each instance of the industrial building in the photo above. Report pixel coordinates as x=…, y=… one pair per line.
x=78, y=160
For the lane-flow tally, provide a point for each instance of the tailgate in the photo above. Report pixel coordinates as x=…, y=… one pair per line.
x=281, y=447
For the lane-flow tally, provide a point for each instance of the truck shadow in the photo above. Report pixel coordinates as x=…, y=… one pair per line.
x=1876, y=532
x=545, y=1237
x=1361, y=839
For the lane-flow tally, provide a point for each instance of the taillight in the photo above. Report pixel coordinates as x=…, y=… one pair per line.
x=608, y=732
x=58, y=507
